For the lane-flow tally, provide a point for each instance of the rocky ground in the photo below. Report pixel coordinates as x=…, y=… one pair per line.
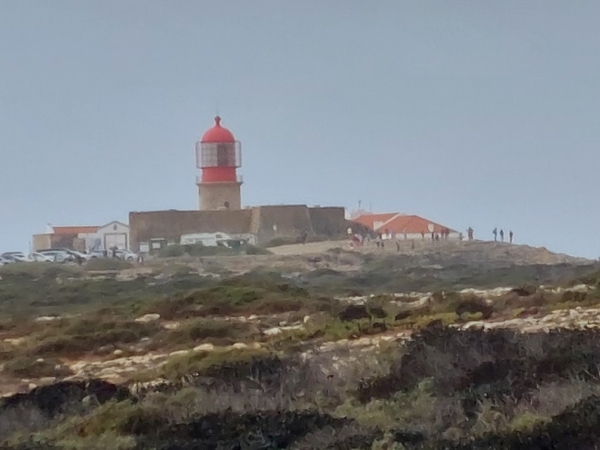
x=312, y=346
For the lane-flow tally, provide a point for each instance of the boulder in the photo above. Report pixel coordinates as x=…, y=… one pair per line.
x=148, y=318
x=272, y=331
x=204, y=348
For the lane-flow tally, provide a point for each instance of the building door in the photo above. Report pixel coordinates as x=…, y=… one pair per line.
x=118, y=240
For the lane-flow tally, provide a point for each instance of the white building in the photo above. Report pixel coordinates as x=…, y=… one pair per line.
x=88, y=238
x=113, y=234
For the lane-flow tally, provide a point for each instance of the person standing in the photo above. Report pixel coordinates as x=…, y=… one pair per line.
x=510, y=236
x=502, y=235
x=495, y=233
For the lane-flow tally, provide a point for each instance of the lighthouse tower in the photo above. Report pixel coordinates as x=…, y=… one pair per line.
x=218, y=155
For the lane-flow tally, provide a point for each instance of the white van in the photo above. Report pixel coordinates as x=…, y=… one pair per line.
x=208, y=239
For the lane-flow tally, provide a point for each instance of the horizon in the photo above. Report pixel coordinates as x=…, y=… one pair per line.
x=469, y=115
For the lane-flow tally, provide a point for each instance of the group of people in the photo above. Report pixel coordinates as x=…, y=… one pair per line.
x=443, y=234
x=358, y=240
x=501, y=233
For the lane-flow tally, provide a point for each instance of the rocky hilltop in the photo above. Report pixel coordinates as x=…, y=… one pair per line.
x=426, y=345
x=451, y=252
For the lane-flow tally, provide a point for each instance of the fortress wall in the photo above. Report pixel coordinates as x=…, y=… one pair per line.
x=291, y=221
x=170, y=225
x=257, y=222
x=329, y=221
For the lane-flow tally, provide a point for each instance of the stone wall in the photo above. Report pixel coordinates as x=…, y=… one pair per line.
x=170, y=225
x=328, y=221
x=269, y=222
x=262, y=222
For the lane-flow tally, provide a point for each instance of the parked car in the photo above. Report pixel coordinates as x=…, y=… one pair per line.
x=5, y=261
x=126, y=255
x=73, y=253
x=76, y=254
x=59, y=256
x=16, y=256
x=98, y=254
x=40, y=257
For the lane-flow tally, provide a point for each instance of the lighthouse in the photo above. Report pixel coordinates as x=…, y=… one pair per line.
x=218, y=156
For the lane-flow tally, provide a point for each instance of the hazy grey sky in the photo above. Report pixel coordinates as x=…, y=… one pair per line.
x=470, y=113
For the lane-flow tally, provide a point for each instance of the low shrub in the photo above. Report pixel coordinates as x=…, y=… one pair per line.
x=238, y=297
x=366, y=311
x=527, y=422
x=177, y=250
x=290, y=240
x=39, y=271
x=205, y=330
x=209, y=363
x=203, y=250
x=79, y=336
x=101, y=264
x=29, y=367
x=171, y=251
x=254, y=250
x=279, y=241
x=474, y=305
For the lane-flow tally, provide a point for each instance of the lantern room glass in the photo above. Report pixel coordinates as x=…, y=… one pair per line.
x=222, y=154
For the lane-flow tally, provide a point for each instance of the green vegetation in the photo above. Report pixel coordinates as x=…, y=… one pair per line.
x=107, y=264
x=172, y=251
x=31, y=290
x=255, y=250
x=207, y=363
x=39, y=271
x=290, y=240
x=194, y=331
x=442, y=389
x=199, y=250
x=236, y=297
x=29, y=367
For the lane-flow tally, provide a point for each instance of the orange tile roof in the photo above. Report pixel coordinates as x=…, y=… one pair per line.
x=400, y=224
x=369, y=220
x=74, y=230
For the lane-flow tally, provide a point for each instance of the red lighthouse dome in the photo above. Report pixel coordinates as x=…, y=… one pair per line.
x=217, y=133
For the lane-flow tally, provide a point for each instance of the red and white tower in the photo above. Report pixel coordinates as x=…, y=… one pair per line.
x=218, y=155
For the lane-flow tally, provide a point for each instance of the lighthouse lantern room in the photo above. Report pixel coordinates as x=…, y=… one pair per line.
x=218, y=155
